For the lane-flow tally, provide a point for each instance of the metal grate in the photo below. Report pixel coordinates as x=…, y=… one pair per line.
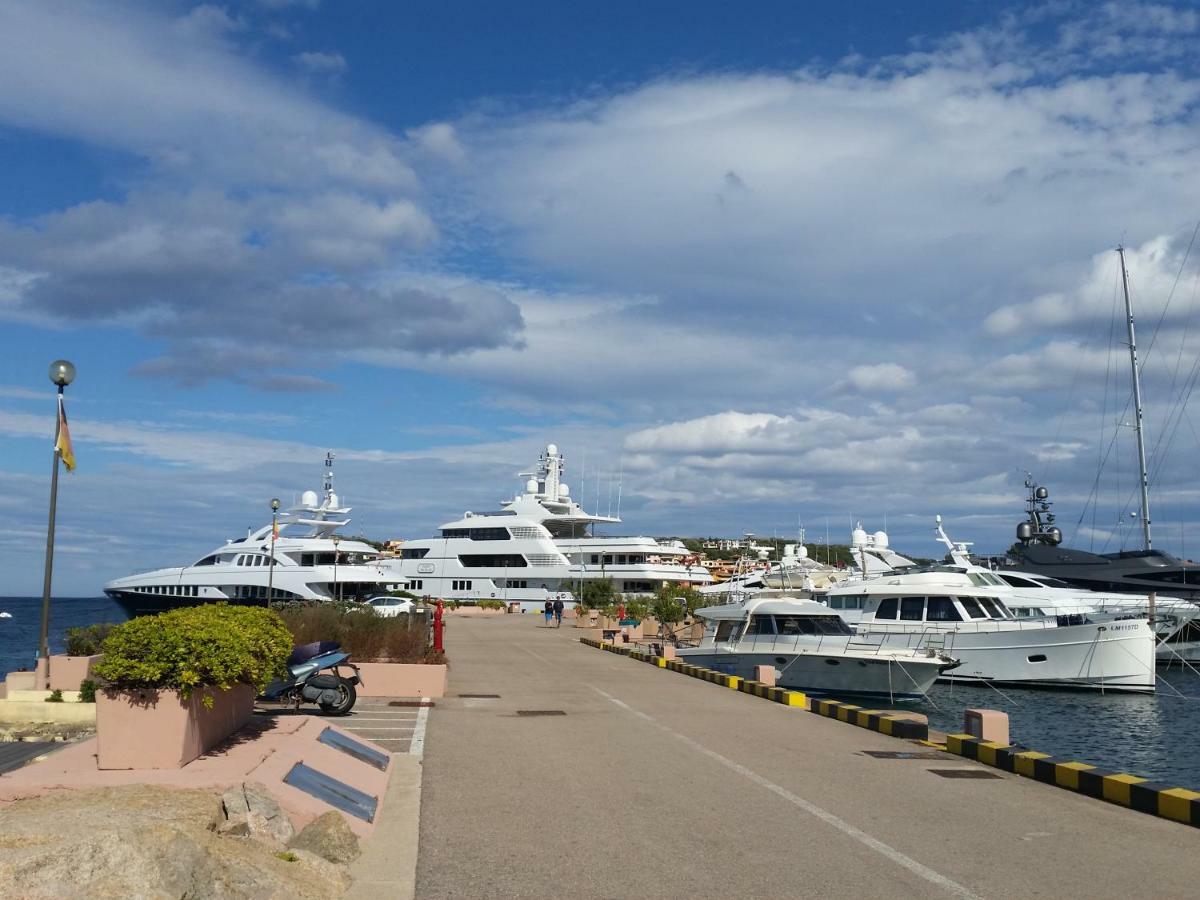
x=480, y=696
x=541, y=712
x=963, y=773
x=336, y=793
x=412, y=703
x=903, y=754
x=357, y=749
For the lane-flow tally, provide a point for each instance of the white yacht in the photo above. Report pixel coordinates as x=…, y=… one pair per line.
x=540, y=544
x=812, y=649
x=954, y=611
x=1176, y=622
x=312, y=562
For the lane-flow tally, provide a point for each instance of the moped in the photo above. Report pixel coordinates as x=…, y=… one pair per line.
x=314, y=677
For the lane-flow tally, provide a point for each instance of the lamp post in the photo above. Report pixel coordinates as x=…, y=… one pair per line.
x=274, y=535
x=337, y=594
x=62, y=373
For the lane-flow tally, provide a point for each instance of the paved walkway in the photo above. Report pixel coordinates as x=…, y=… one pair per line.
x=634, y=781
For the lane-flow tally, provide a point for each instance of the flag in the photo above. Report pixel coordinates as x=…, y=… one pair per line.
x=63, y=442
x=275, y=531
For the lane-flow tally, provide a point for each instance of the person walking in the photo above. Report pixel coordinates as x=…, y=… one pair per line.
x=558, y=610
x=549, y=610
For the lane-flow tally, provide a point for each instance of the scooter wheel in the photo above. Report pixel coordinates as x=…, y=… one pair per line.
x=345, y=702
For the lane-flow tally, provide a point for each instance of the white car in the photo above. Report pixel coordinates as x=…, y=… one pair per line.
x=391, y=606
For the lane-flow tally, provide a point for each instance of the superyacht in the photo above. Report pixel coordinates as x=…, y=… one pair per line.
x=311, y=562
x=540, y=544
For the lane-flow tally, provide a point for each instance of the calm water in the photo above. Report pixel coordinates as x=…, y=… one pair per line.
x=1152, y=735
x=1155, y=736
x=19, y=635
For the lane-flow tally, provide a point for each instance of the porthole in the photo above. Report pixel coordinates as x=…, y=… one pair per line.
x=1037, y=658
x=781, y=660
x=833, y=662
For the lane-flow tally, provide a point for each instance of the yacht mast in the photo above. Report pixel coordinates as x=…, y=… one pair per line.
x=1137, y=404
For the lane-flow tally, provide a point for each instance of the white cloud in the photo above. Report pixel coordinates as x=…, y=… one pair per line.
x=320, y=63
x=881, y=377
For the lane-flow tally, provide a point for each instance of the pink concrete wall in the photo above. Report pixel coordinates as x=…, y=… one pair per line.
x=66, y=672
x=158, y=730
x=401, y=680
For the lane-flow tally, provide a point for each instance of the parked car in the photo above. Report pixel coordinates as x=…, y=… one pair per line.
x=391, y=606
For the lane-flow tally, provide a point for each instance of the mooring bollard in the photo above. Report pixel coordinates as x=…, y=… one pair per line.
x=765, y=675
x=987, y=725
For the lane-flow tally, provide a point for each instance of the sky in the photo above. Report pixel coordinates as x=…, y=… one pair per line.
x=753, y=268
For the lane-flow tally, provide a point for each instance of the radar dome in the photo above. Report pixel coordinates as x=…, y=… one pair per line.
x=858, y=537
x=334, y=500
x=552, y=449
x=763, y=554
x=564, y=491
x=1054, y=535
x=881, y=539
x=1024, y=531
x=531, y=486
x=308, y=498
x=1041, y=493
x=802, y=552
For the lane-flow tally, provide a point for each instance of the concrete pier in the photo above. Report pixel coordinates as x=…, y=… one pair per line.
x=591, y=775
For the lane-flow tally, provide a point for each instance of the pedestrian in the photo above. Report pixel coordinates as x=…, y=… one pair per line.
x=558, y=610
x=549, y=610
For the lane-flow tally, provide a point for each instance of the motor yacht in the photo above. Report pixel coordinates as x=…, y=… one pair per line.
x=945, y=608
x=1176, y=623
x=542, y=543
x=311, y=562
x=812, y=649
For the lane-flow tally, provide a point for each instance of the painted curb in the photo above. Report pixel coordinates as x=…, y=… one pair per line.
x=871, y=719
x=1132, y=791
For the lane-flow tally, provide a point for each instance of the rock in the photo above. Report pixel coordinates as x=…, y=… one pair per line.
x=249, y=810
x=329, y=837
x=145, y=842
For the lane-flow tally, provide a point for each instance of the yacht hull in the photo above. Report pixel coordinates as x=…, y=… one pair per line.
x=1111, y=656
x=824, y=674
x=139, y=604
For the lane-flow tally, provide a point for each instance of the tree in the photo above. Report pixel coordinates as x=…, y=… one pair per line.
x=598, y=593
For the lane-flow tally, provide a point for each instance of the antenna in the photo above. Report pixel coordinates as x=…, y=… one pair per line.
x=620, y=484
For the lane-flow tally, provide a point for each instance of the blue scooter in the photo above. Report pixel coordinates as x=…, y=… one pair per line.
x=309, y=681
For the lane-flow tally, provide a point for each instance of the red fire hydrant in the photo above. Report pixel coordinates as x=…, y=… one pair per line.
x=437, y=629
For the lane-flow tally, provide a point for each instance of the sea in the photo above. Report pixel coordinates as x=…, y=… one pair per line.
x=1152, y=735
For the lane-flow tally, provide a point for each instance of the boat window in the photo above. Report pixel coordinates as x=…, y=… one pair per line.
x=489, y=534
x=209, y=561
x=761, y=625
x=492, y=560
x=941, y=609
x=834, y=602
x=830, y=625
x=976, y=580
x=413, y=552
x=994, y=609
x=595, y=559
x=456, y=532
x=725, y=630
x=974, y=610
x=1016, y=581
x=912, y=609
x=887, y=608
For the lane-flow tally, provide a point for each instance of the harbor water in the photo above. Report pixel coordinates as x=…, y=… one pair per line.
x=19, y=635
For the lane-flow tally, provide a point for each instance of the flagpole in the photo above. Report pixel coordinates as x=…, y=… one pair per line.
x=62, y=373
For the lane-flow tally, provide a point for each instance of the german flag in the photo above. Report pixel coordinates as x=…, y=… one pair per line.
x=62, y=442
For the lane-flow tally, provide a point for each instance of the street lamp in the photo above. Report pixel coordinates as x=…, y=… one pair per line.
x=274, y=536
x=337, y=594
x=62, y=373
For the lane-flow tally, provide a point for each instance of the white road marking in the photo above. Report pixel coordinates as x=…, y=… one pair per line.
x=811, y=808
x=417, y=747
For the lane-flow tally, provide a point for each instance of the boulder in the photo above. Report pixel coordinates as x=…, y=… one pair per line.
x=145, y=842
x=329, y=837
x=249, y=810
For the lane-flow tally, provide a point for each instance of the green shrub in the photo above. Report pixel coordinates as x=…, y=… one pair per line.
x=55, y=697
x=86, y=641
x=214, y=645
x=597, y=593
x=363, y=633
x=87, y=691
x=491, y=604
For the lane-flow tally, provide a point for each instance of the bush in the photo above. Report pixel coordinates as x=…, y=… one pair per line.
x=669, y=601
x=214, y=645
x=363, y=633
x=491, y=604
x=55, y=697
x=87, y=691
x=86, y=641
x=597, y=594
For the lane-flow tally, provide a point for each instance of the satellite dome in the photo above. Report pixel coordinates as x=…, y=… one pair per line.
x=333, y=499
x=308, y=498
x=1041, y=493
x=881, y=539
x=802, y=552
x=1024, y=531
x=858, y=537
x=564, y=491
x=552, y=449
x=531, y=486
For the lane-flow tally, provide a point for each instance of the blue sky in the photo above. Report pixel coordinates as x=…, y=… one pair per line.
x=766, y=264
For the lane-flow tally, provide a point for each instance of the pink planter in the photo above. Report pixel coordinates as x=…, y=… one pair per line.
x=159, y=730
x=66, y=672
x=381, y=679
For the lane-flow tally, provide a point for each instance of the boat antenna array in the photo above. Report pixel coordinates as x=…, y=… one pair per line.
x=1039, y=527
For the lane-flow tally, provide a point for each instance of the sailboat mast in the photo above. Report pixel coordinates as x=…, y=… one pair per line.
x=1144, y=482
